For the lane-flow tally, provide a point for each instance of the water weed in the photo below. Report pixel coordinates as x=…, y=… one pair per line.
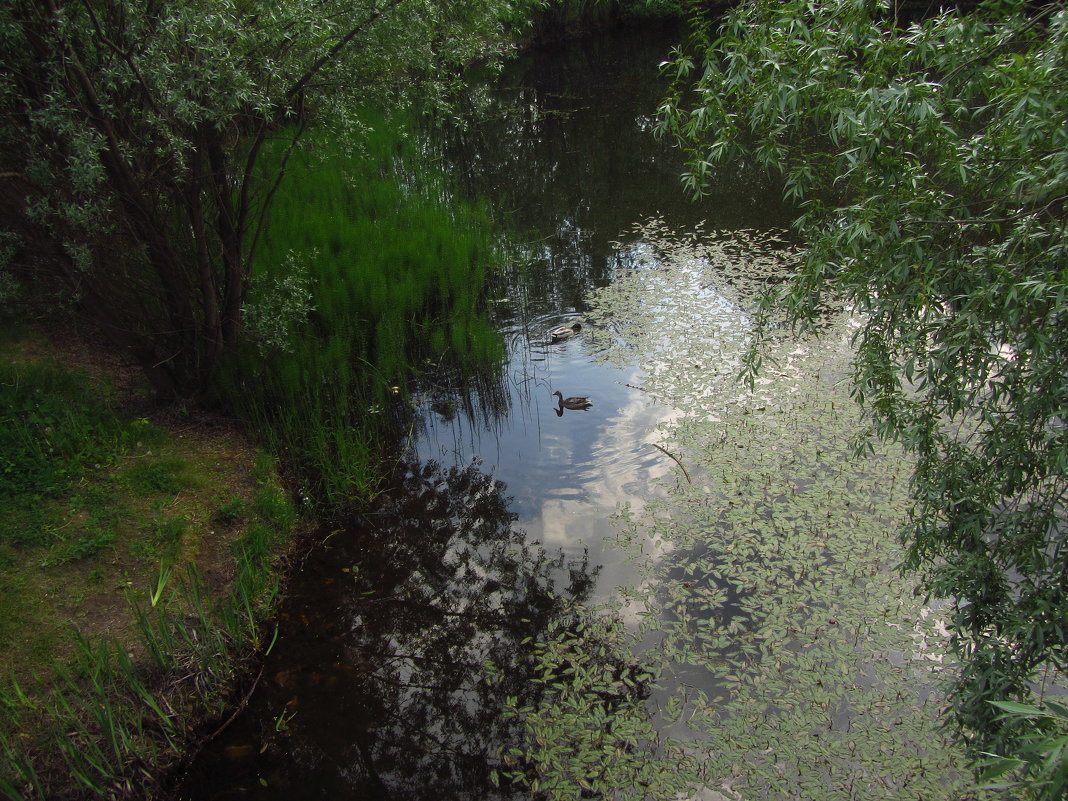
x=794, y=660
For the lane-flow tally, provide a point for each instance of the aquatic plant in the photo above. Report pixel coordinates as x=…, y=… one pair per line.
x=371, y=275
x=588, y=730
x=793, y=659
x=934, y=207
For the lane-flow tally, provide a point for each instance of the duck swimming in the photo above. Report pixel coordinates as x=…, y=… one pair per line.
x=564, y=332
x=576, y=403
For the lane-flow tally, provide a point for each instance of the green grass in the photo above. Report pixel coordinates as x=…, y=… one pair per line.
x=106, y=522
x=106, y=725
x=370, y=277
x=231, y=512
x=53, y=431
x=155, y=477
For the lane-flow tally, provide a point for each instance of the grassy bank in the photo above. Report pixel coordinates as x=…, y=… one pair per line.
x=136, y=551
x=138, y=544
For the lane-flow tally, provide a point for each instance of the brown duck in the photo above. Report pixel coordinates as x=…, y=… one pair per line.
x=576, y=403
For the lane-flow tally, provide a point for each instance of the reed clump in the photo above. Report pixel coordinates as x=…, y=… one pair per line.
x=371, y=277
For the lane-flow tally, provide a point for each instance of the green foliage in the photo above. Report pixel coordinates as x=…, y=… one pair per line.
x=931, y=165
x=167, y=531
x=9, y=286
x=1042, y=756
x=391, y=287
x=154, y=477
x=109, y=721
x=87, y=544
x=561, y=18
x=52, y=428
x=95, y=505
x=281, y=306
x=275, y=507
x=131, y=138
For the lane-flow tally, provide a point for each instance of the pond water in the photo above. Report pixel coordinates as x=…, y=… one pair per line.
x=408, y=641
x=566, y=148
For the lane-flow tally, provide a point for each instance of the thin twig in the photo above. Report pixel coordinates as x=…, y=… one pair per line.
x=676, y=458
x=238, y=711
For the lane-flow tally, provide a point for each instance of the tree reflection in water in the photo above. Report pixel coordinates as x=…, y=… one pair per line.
x=377, y=687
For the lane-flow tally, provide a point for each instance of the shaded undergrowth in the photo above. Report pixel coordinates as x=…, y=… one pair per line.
x=370, y=287
x=569, y=18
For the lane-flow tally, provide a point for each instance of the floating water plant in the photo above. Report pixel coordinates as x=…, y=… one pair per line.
x=794, y=660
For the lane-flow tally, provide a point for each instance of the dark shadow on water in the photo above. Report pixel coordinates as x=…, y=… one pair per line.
x=377, y=685
x=563, y=146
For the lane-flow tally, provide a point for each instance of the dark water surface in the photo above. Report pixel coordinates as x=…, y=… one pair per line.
x=375, y=687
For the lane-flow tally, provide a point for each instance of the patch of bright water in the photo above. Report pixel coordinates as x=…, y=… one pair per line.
x=565, y=470
x=795, y=662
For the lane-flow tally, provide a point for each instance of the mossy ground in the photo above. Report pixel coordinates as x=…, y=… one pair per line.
x=110, y=503
x=179, y=488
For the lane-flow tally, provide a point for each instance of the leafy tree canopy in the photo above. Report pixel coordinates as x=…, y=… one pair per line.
x=131, y=134
x=930, y=164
